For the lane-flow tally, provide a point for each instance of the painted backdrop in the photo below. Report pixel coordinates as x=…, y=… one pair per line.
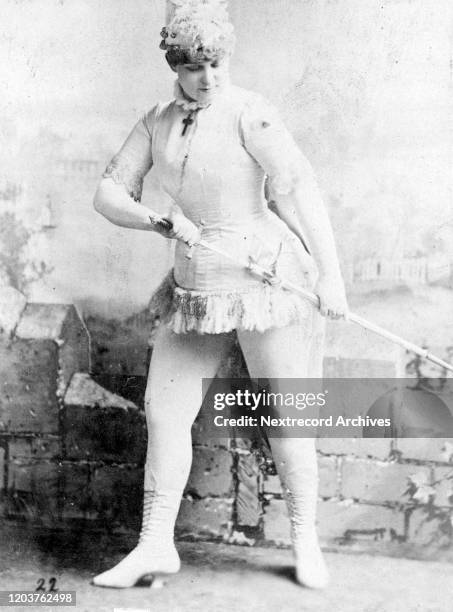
x=365, y=87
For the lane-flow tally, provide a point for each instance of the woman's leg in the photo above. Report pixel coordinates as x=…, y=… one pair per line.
x=293, y=352
x=173, y=398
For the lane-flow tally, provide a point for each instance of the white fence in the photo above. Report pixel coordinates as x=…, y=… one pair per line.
x=79, y=168
x=415, y=270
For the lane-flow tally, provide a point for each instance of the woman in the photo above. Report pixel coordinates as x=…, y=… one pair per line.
x=213, y=146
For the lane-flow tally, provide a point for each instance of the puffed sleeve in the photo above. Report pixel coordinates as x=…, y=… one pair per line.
x=134, y=160
x=266, y=138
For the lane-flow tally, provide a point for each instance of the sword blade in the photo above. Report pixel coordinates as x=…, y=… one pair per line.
x=314, y=299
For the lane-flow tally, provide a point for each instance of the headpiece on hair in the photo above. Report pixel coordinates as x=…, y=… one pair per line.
x=197, y=29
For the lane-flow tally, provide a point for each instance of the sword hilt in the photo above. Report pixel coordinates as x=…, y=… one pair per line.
x=166, y=225
x=161, y=222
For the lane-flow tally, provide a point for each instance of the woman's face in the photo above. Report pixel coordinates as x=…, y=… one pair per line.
x=203, y=80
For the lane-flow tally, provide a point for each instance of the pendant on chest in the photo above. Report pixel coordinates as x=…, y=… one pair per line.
x=189, y=120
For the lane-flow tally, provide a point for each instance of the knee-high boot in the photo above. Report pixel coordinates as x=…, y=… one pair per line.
x=296, y=463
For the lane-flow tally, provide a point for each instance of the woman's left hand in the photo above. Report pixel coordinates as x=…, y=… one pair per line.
x=332, y=297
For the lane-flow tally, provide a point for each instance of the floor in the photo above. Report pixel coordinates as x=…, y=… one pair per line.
x=220, y=578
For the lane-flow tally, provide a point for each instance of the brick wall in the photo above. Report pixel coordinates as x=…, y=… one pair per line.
x=72, y=447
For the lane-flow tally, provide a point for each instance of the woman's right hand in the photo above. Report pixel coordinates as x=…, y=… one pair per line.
x=182, y=228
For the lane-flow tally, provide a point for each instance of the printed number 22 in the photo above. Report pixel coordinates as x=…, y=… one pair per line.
x=51, y=588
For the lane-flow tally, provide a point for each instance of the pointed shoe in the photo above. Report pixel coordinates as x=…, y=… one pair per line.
x=138, y=564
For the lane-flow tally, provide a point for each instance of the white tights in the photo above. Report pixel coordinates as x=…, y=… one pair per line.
x=174, y=396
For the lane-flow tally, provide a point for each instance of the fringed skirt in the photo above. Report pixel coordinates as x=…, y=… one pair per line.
x=206, y=312
x=209, y=294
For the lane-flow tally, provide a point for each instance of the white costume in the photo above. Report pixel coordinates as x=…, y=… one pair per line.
x=215, y=173
x=212, y=159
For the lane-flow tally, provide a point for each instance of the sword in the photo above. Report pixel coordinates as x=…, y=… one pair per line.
x=271, y=277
